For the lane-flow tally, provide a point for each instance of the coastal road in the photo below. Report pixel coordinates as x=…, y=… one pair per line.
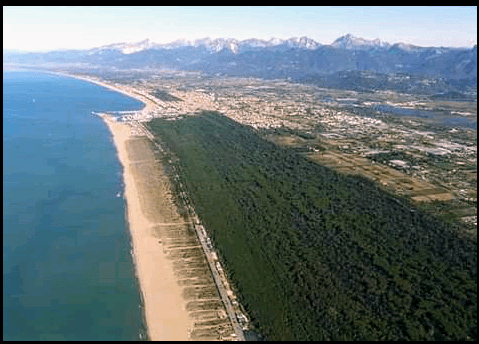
x=221, y=289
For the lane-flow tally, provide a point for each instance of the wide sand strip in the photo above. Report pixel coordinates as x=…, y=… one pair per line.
x=165, y=309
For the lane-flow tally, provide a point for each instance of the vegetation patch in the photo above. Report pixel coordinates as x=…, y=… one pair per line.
x=316, y=255
x=165, y=96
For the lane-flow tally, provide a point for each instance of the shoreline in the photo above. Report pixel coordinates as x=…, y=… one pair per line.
x=158, y=286
x=103, y=84
x=146, y=103
x=179, y=322
x=164, y=308
x=179, y=299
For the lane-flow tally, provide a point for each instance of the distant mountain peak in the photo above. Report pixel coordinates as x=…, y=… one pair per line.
x=408, y=47
x=351, y=42
x=275, y=41
x=126, y=48
x=302, y=42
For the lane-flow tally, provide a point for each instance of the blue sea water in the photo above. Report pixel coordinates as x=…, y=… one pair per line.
x=67, y=269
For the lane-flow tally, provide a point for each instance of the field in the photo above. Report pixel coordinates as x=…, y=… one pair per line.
x=316, y=255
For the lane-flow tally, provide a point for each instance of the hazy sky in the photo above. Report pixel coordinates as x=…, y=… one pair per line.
x=51, y=28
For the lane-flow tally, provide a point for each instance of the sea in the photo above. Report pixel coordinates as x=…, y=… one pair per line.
x=68, y=273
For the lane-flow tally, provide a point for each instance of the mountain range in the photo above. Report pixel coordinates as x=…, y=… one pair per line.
x=296, y=58
x=212, y=45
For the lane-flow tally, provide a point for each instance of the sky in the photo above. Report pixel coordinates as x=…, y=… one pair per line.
x=39, y=28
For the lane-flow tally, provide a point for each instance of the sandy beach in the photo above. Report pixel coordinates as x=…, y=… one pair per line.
x=179, y=294
x=180, y=297
x=165, y=309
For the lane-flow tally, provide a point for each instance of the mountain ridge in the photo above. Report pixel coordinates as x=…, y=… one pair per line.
x=295, y=57
x=348, y=42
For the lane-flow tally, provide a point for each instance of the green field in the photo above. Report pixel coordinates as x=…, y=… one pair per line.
x=315, y=255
